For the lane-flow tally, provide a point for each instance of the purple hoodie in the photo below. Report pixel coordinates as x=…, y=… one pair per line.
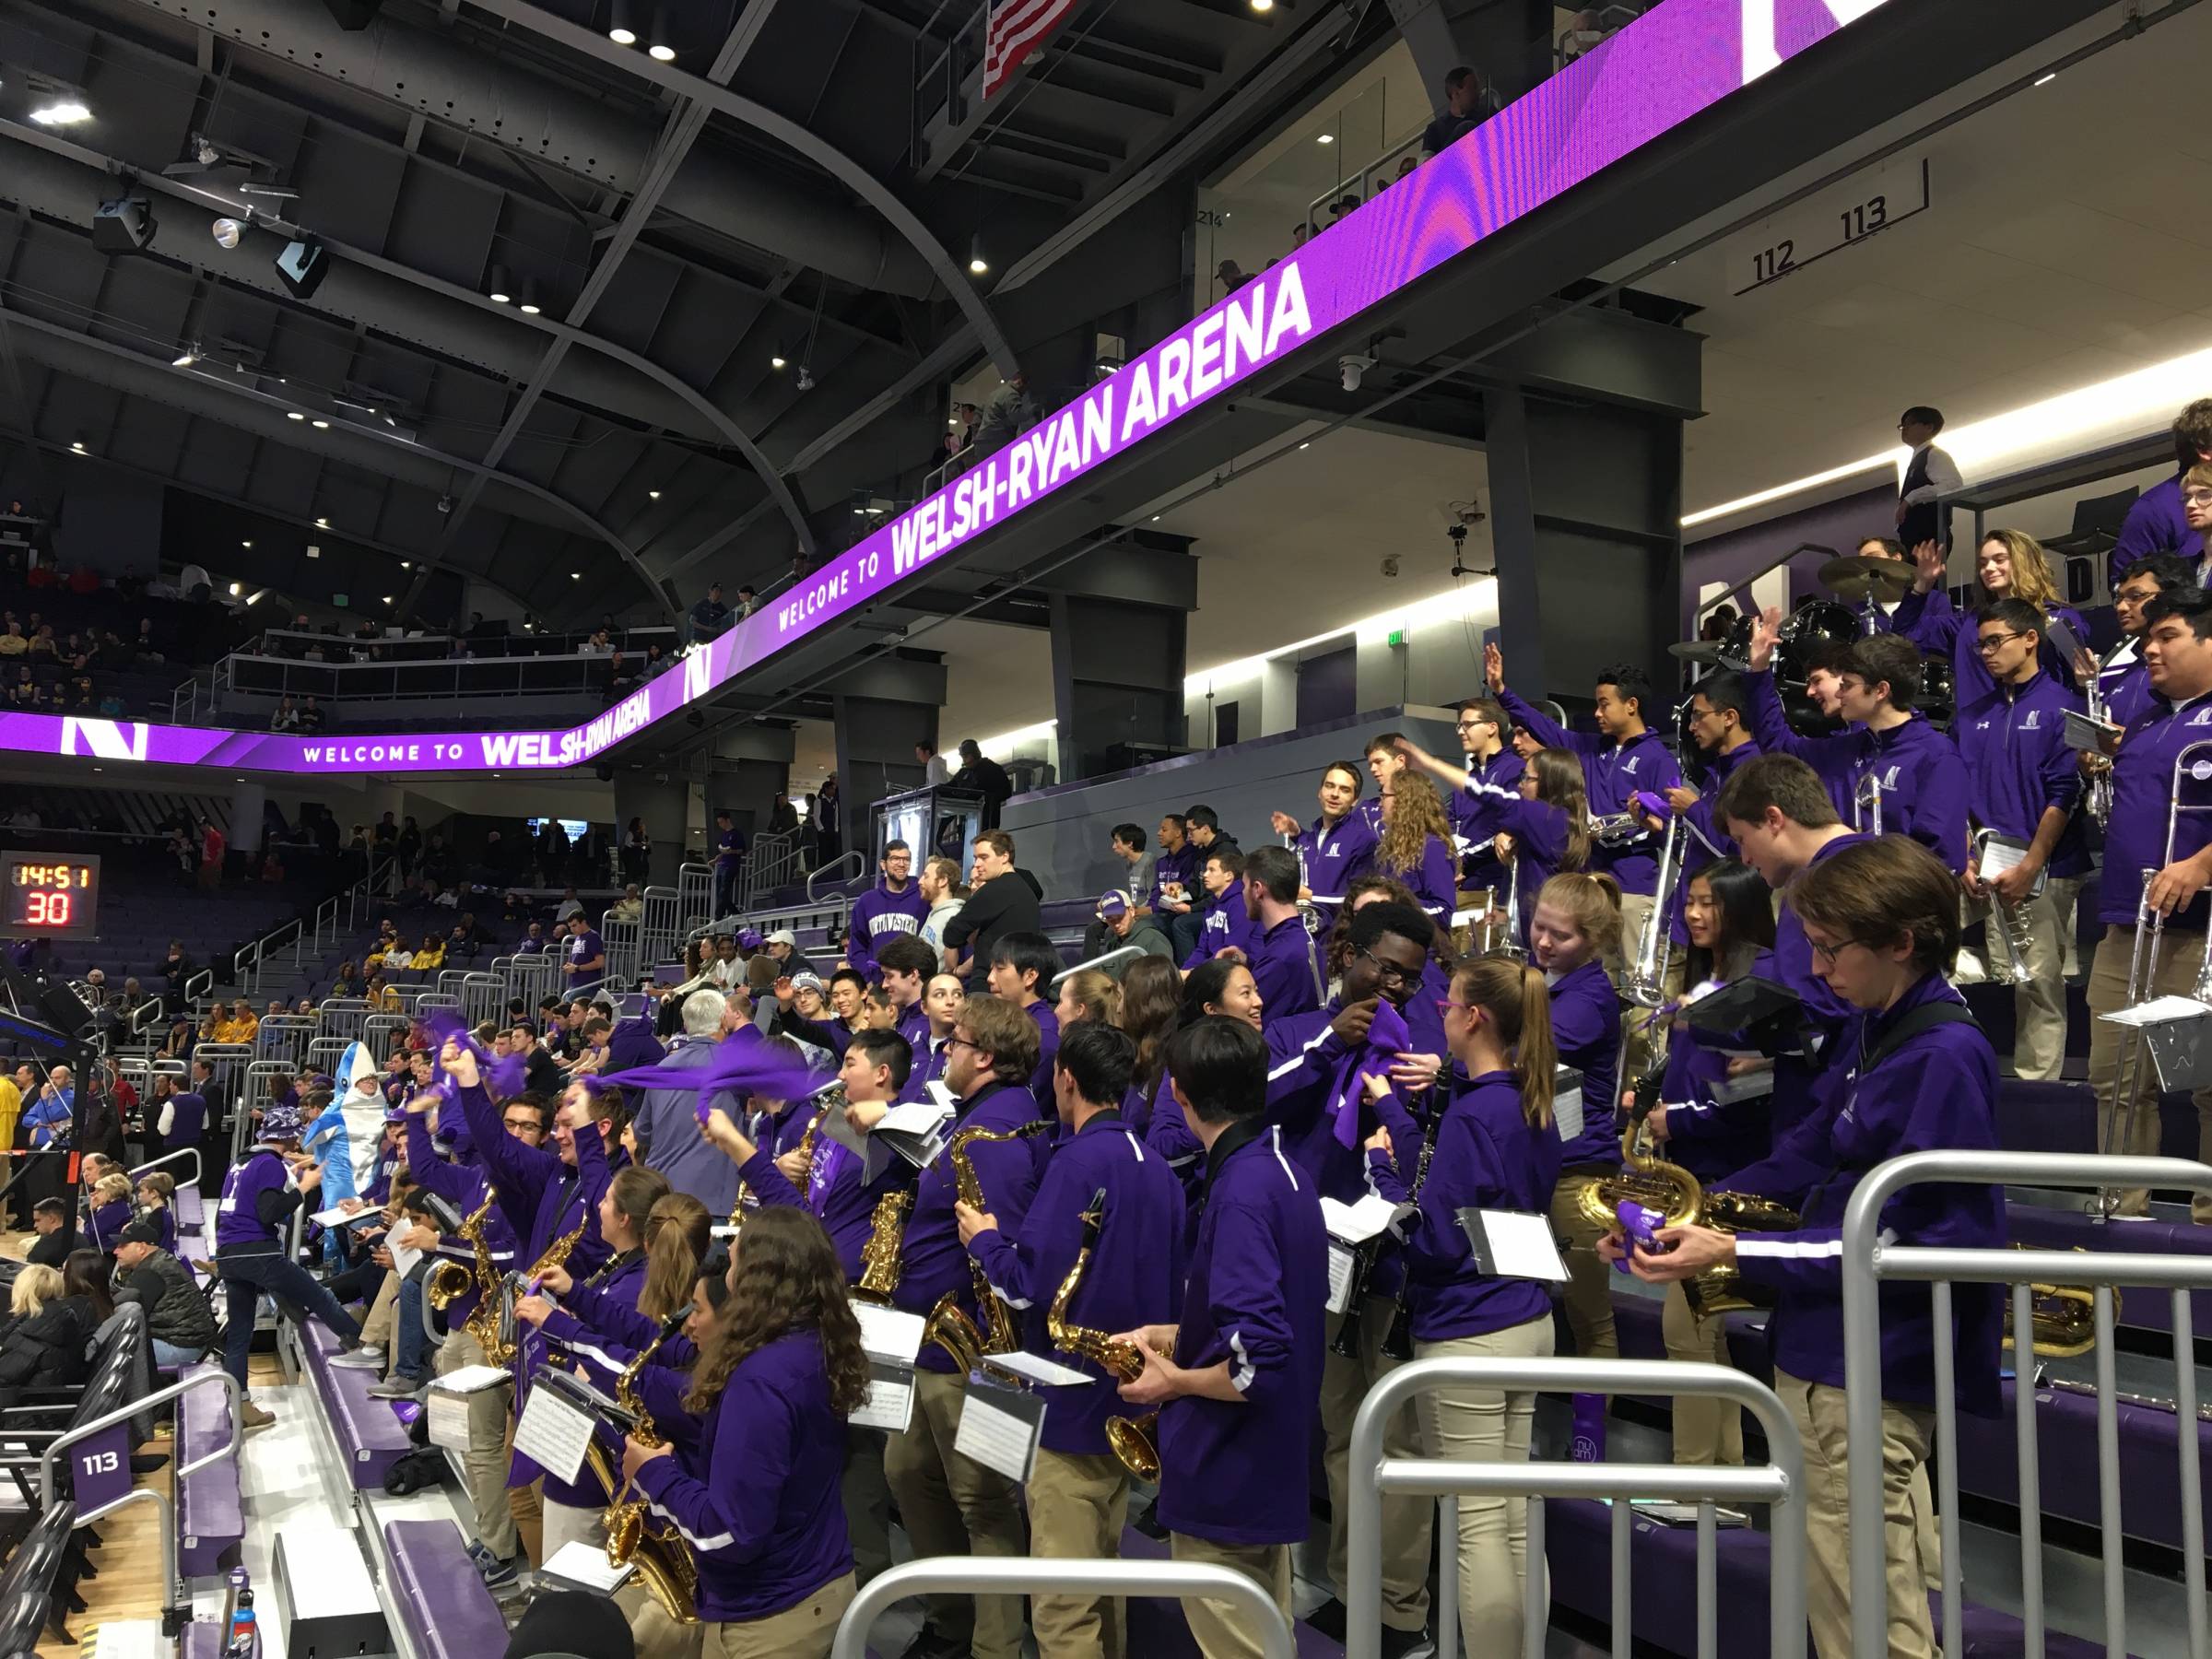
x=2158, y=522
x=1611, y=773
x=878, y=915
x=2014, y=743
x=1931, y=622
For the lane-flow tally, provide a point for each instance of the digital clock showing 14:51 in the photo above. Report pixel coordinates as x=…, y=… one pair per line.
x=51, y=893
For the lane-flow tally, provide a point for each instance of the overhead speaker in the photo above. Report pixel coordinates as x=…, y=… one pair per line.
x=353, y=14
x=304, y=265
x=123, y=226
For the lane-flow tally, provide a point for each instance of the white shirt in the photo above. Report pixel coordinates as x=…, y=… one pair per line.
x=1944, y=478
x=938, y=771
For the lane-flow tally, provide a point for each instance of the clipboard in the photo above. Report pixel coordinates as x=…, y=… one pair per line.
x=1514, y=1244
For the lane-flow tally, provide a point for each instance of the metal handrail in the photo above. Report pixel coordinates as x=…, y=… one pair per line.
x=199, y=984
x=1779, y=1484
x=1115, y=955
x=1868, y=1260
x=858, y=859
x=1019, y=1575
x=191, y=1152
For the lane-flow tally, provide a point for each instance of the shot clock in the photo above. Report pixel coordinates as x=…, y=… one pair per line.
x=49, y=892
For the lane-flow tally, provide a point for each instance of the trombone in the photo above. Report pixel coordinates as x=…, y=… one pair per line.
x=2009, y=921
x=1866, y=803
x=1645, y=981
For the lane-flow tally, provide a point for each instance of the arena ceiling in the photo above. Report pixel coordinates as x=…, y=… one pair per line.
x=738, y=271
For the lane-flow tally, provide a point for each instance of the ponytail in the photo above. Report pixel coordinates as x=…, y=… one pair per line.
x=1594, y=901
x=1518, y=1002
x=633, y=1192
x=677, y=1232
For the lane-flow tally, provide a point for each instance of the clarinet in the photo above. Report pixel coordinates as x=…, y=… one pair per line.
x=1397, y=1342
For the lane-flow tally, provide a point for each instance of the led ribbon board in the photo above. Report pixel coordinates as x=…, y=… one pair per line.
x=1677, y=61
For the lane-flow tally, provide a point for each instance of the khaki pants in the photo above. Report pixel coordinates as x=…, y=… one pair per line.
x=486, y=1457
x=569, y=1524
x=525, y=1506
x=1220, y=1632
x=1706, y=1431
x=1408, y=1524
x=1488, y=1425
x=1589, y=1293
x=867, y=1503
x=803, y=1631
x=952, y=1505
x=1077, y=1507
x=1817, y=1411
x=657, y=1636
x=2039, y=1008
x=380, y=1325
x=2182, y=956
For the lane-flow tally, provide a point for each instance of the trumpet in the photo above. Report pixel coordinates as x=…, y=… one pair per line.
x=2011, y=923
x=1135, y=1439
x=1866, y=803
x=2100, y=780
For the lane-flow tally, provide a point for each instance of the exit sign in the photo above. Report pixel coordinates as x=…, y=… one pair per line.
x=1397, y=636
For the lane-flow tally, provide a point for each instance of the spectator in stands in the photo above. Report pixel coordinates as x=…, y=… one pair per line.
x=212, y=848
x=287, y=718
x=630, y=907
x=311, y=716
x=2158, y=522
x=45, y=1339
x=1231, y=276
x=666, y=1119
x=531, y=942
x=429, y=955
x=783, y=814
x=981, y=775
x=49, y=1119
x=553, y=857
x=892, y=908
x=1004, y=901
x=179, y=1325
x=407, y=847
x=707, y=619
x=51, y=1244
x=1118, y=923
x=1010, y=413
x=747, y=601
x=729, y=860
x=587, y=955
x=1128, y=843
x=1468, y=102
x=829, y=818
x=934, y=769
x=597, y=645
x=1929, y=476
x=12, y=642
x=636, y=853
x=569, y=909
x=944, y=894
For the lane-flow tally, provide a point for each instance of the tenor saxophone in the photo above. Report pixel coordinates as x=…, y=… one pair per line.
x=665, y=1565
x=949, y=1326
x=1135, y=1440
x=498, y=1337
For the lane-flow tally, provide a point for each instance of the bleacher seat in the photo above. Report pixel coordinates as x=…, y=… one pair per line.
x=210, y=1515
x=442, y=1601
x=370, y=1436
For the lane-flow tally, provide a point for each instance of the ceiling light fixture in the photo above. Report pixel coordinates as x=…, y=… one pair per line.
x=977, y=265
x=530, y=307
x=497, y=288
x=1263, y=5
x=1325, y=138
x=406, y=564
x=237, y=588
x=322, y=523
x=654, y=494
x=321, y=426
x=575, y=575
x=62, y=111
x=294, y=415
x=76, y=447
x=622, y=22
x=2045, y=80
x=657, y=47
x=245, y=544
x=184, y=359
x=776, y=362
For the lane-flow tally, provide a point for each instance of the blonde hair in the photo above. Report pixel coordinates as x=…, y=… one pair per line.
x=2031, y=577
x=1096, y=993
x=111, y=1187
x=1560, y=785
x=163, y=1184
x=677, y=1232
x=1519, y=1003
x=1416, y=814
x=1592, y=902
x=35, y=1286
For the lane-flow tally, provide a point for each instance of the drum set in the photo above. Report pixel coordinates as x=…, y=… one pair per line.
x=1860, y=587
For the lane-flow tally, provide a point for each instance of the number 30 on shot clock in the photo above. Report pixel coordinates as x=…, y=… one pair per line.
x=49, y=893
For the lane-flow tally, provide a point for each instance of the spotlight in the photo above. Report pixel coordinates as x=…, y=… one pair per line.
x=1263, y=5
x=187, y=358
x=387, y=599
x=654, y=494
x=497, y=286
x=62, y=111
x=245, y=544
x=123, y=226
x=776, y=362
x=226, y=232
x=622, y=22
x=406, y=564
x=575, y=575
x=656, y=38
x=977, y=264
x=303, y=265
x=530, y=306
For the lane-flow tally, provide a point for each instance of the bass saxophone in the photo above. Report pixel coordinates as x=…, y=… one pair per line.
x=1135, y=1440
x=949, y=1326
x=666, y=1564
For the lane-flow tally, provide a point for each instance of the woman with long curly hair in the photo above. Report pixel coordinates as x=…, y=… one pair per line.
x=780, y=1372
x=2009, y=564
x=1547, y=812
x=1415, y=844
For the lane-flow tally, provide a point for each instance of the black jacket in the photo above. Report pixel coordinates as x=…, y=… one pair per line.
x=52, y=1250
x=46, y=1349
x=1004, y=904
x=176, y=1309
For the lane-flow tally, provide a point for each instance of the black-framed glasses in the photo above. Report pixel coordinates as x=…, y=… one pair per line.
x=1828, y=953
x=1390, y=973
x=956, y=1040
x=1988, y=642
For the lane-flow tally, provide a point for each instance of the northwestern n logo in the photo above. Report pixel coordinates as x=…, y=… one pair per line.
x=103, y=740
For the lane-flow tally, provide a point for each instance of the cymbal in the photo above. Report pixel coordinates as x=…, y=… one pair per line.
x=1852, y=577
x=1696, y=650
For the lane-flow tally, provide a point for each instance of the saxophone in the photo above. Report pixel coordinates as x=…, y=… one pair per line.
x=500, y=1338
x=832, y=1100
x=665, y=1565
x=1135, y=1439
x=2063, y=1318
x=949, y=1326
x=880, y=1260
x=449, y=1281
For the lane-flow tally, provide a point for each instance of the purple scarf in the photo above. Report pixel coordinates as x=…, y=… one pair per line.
x=1387, y=1037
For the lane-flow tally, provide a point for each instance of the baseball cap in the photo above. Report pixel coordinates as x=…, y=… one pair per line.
x=141, y=1231
x=1114, y=904
x=783, y=936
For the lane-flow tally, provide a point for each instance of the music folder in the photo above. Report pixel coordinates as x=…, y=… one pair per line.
x=2082, y=733
x=1740, y=1004
x=609, y=1411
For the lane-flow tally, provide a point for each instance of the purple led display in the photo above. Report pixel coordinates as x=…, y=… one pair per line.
x=1677, y=61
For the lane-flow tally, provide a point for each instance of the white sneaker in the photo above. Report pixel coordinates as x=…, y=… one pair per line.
x=360, y=1358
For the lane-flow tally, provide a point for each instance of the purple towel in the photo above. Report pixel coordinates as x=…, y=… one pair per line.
x=1387, y=1037
x=742, y=1068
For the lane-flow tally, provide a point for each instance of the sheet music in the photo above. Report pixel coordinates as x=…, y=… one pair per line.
x=553, y=1434
x=1356, y=1223
x=890, y=1402
x=1000, y=1428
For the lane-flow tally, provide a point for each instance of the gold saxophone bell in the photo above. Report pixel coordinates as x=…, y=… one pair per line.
x=449, y=1281
x=949, y=1321
x=665, y=1562
x=1135, y=1440
x=2064, y=1319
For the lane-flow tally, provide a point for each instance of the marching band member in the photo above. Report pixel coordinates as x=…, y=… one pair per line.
x=1384, y=762
x=1338, y=843
x=1624, y=756
x=1226, y=922
x=951, y=1504
x=1236, y=1379
x=1720, y=724
x=1483, y=729
x=1223, y=987
x=1078, y=1494
x=1915, y=766
x=2121, y=681
x=2177, y=656
x=1730, y=915
x=906, y=966
x=1494, y=1148
x=1915, y=1074
x=2010, y=564
x=942, y=999
x=1546, y=814
x=2025, y=785
x=1415, y=844
x=1023, y=966
x=1286, y=963
x=1574, y=931
x=1780, y=816
x=1151, y=1013
x=782, y=1371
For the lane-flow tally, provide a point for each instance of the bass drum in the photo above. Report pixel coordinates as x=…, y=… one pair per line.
x=1810, y=627
x=1938, y=697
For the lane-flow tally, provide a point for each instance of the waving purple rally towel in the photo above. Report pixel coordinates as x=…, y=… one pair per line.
x=1387, y=1037
x=739, y=1067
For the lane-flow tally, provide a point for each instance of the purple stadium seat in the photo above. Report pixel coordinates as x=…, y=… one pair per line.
x=449, y=1613
x=368, y=1434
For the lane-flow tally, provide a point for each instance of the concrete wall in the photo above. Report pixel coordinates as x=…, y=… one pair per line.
x=1060, y=834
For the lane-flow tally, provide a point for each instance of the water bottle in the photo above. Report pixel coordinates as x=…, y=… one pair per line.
x=244, y=1638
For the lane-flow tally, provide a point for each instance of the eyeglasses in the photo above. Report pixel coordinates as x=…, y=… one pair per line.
x=1989, y=642
x=2198, y=498
x=1446, y=1003
x=1828, y=953
x=956, y=1040
x=1390, y=973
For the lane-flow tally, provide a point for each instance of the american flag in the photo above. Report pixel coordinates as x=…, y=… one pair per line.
x=1017, y=29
